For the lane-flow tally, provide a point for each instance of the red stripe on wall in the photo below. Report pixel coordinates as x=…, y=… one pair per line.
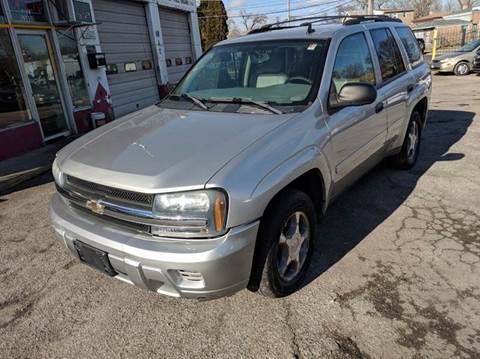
x=19, y=140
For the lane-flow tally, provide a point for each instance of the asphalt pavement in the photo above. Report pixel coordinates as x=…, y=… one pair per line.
x=396, y=274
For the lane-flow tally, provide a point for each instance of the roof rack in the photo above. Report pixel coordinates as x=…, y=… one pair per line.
x=308, y=21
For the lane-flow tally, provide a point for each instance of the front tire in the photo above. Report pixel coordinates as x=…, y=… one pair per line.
x=462, y=69
x=285, y=244
x=408, y=156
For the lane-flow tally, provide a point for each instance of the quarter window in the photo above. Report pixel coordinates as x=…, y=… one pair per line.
x=411, y=45
x=389, y=57
x=353, y=63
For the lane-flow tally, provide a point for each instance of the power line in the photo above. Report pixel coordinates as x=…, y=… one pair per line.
x=272, y=12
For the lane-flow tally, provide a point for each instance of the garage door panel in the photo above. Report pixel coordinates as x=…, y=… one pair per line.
x=134, y=96
x=131, y=107
x=123, y=6
x=113, y=28
x=125, y=38
x=114, y=79
x=130, y=86
x=177, y=41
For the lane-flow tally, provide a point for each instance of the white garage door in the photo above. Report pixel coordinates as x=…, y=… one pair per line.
x=177, y=42
x=125, y=41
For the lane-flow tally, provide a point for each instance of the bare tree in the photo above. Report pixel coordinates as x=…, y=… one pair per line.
x=466, y=4
x=252, y=21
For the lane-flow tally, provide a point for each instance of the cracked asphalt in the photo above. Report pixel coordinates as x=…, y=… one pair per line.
x=396, y=274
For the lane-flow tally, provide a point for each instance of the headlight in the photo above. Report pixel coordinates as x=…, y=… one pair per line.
x=57, y=174
x=190, y=214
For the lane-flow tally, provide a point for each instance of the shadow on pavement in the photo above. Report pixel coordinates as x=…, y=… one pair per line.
x=378, y=194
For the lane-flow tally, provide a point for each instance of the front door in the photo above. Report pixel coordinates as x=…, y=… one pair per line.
x=43, y=78
x=357, y=132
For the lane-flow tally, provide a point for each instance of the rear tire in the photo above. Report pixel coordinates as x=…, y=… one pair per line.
x=408, y=156
x=285, y=244
x=462, y=69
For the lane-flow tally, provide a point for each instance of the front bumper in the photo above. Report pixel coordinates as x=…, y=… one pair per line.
x=196, y=268
x=442, y=67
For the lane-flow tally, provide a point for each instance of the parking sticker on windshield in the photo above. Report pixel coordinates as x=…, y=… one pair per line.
x=312, y=47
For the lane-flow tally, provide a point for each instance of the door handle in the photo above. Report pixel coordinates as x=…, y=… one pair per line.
x=410, y=88
x=379, y=107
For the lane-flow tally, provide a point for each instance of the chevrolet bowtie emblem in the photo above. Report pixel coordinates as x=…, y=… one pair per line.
x=95, y=206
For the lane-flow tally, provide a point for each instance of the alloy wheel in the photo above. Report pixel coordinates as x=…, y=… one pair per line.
x=293, y=246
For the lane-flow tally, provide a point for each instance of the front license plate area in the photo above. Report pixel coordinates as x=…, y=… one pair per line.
x=94, y=258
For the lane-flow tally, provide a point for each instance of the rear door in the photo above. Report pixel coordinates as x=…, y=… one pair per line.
x=357, y=132
x=396, y=83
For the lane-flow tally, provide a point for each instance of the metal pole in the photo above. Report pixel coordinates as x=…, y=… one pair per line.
x=434, y=45
x=370, y=7
x=288, y=1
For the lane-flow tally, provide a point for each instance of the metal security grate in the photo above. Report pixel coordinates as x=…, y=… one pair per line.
x=95, y=191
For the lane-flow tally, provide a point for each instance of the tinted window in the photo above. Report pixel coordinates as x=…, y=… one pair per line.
x=353, y=62
x=391, y=63
x=411, y=44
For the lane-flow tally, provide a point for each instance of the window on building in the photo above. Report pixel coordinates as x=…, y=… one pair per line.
x=353, y=63
x=2, y=15
x=411, y=45
x=59, y=11
x=73, y=69
x=389, y=57
x=27, y=10
x=13, y=106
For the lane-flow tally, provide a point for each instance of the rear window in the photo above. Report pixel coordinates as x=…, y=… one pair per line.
x=411, y=45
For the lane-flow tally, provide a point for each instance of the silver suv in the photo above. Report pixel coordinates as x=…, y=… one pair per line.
x=219, y=187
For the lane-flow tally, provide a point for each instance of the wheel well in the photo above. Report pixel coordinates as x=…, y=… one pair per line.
x=421, y=107
x=311, y=183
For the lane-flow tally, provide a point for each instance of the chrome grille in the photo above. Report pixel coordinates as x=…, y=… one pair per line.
x=110, y=220
x=95, y=190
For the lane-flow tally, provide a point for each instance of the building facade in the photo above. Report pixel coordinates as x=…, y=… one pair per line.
x=68, y=66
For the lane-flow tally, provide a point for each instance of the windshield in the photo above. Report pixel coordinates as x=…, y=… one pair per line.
x=470, y=46
x=278, y=73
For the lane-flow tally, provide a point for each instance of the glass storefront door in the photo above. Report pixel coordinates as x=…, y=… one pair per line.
x=38, y=63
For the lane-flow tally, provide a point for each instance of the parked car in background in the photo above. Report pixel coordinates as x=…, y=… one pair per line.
x=459, y=62
x=220, y=186
x=476, y=62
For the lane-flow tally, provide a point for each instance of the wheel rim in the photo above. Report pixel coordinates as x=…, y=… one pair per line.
x=462, y=69
x=412, y=141
x=293, y=246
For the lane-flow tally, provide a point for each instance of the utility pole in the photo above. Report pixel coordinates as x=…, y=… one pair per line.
x=370, y=7
x=288, y=2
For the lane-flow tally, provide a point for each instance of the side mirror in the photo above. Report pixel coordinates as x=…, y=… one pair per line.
x=354, y=94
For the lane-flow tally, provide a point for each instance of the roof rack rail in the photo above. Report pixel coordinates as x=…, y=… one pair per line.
x=308, y=21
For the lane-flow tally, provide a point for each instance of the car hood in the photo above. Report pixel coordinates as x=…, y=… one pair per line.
x=450, y=55
x=159, y=149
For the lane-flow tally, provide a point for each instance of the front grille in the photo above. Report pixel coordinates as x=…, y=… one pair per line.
x=109, y=220
x=95, y=191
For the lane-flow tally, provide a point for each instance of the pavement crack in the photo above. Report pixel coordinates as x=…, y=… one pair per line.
x=288, y=321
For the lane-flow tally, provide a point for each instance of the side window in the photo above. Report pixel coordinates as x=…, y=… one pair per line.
x=411, y=44
x=389, y=57
x=353, y=62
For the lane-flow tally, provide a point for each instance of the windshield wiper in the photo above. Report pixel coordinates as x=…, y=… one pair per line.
x=195, y=100
x=238, y=100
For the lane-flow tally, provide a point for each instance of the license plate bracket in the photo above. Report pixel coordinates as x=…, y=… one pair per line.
x=95, y=258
